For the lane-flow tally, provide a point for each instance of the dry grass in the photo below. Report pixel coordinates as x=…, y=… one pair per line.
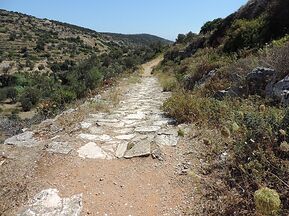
x=167, y=81
x=134, y=78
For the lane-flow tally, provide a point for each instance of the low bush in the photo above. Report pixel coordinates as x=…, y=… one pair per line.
x=187, y=107
x=63, y=96
x=29, y=98
x=257, y=158
x=12, y=94
x=3, y=94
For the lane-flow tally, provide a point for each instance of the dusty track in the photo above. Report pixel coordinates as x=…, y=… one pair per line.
x=111, y=185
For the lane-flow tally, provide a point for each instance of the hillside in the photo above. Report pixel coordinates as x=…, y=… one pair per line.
x=138, y=39
x=46, y=64
x=232, y=79
x=26, y=38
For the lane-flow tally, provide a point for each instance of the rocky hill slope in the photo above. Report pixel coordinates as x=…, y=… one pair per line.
x=27, y=42
x=46, y=64
x=232, y=77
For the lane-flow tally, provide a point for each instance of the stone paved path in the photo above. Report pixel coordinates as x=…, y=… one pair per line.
x=102, y=144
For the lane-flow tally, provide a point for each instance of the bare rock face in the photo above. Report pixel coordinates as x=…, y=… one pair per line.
x=49, y=203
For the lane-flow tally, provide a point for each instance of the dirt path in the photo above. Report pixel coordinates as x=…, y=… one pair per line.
x=123, y=162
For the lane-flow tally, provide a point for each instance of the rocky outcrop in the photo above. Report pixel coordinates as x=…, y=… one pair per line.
x=230, y=92
x=206, y=78
x=260, y=80
x=280, y=91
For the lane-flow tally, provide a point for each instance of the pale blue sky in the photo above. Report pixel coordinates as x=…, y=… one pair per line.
x=165, y=18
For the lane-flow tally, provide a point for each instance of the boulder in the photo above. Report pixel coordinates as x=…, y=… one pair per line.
x=190, y=81
x=281, y=91
x=260, y=80
x=230, y=92
x=206, y=78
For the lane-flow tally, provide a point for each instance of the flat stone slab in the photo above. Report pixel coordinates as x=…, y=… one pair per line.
x=123, y=131
x=139, y=149
x=166, y=139
x=128, y=121
x=59, y=147
x=49, y=203
x=137, y=116
x=97, y=115
x=109, y=148
x=160, y=123
x=111, y=124
x=125, y=137
x=96, y=130
x=25, y=139
x=121, y=149
x=92, y=151
x=93, y=137
x=85, y=125
x=147, y=129
x=108, y=120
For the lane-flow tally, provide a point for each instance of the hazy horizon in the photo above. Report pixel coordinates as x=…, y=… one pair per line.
x=163, y=18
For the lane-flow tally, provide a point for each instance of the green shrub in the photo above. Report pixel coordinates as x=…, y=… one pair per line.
x=12, y=94
x=29, y=98
x=210, y=26
x=63, y=96
x=281, y=42
x=181, y=38
x=40, y=45
x=12, y=36
x=245, y=34
x=93, y=78
x=186, y=107
x=3, y=94
x=267, y=201
x=26, y=104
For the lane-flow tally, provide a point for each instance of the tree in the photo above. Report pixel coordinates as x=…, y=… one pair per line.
x=40, y=45
x=12, y=94
x=190, y=36
x=181, y=38
x=29, y=98
x=210, y=26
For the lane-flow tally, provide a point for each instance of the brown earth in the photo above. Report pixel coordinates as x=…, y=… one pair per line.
x=137, y=186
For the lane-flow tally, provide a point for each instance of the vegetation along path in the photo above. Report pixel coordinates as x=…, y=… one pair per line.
x=96, y=164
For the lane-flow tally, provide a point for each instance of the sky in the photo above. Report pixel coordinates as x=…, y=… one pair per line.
x=164, y=18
